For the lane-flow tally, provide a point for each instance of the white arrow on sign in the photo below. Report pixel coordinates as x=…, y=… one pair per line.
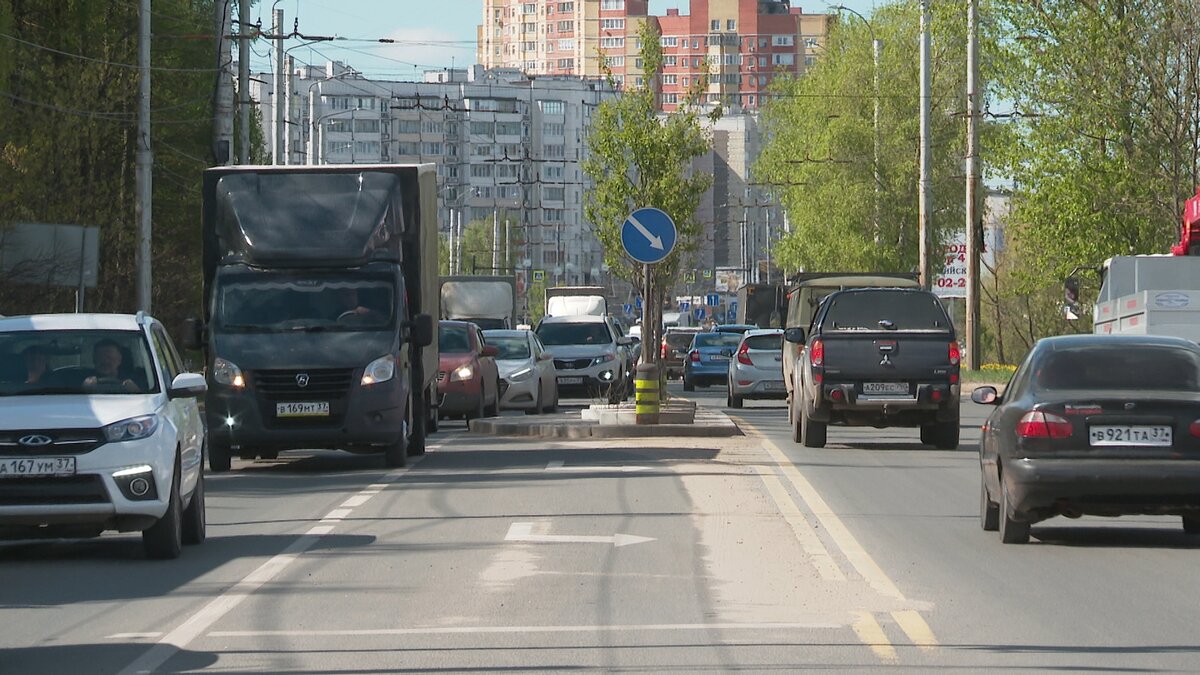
x=559, y=465
x=655, y=242
x=524, y=532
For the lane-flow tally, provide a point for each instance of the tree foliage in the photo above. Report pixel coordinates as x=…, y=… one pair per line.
x=68, y=121
x=819, y=152
x=638, y=158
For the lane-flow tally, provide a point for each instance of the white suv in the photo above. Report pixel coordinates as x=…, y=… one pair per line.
x=99, y=430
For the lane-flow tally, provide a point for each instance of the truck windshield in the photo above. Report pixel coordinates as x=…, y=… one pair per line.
x=292, y=302
x=562, y=334
x=886, y=310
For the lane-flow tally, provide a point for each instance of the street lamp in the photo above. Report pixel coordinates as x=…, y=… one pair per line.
x=876, y=50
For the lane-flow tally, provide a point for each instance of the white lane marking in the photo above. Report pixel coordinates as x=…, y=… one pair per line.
x=358, y=499
x=524, y=532
x=870, y=633
x=485, y=630
x=834, y=527
x=337, y=514
x=558, y=465
x=807, y=537
x=192, y=627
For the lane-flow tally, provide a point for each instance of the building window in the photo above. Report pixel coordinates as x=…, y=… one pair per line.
x=811, y=43
x=408, y=127
x=508, y=128
x=406, y=148
x=668, y=41
x=482, y=151
x=731, y=24
x=810, y=61
x=552, y=107
x=553, y=129
x=432, y=127
x=552, y=172
x=483, y=128
x=564, y=7
x=556, y=151
x=612, y=42
x=612, y=4
x=762, y=62
x=481, y=171
x=566, y=26
x=553, y=194
x=552, y=216
x=566, y=45
x=669, y=61
x=615, y=61
x=716, y=24
x=670, y=79
x=612, y=24
x=783, y=59
x=431, y=148
x=783, y=40
x=670, y=98
x=695, y=44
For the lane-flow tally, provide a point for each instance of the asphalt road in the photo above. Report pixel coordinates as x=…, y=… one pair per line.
x=681, y=555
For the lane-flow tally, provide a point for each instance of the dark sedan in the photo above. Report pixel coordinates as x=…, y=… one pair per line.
x=1103, y=425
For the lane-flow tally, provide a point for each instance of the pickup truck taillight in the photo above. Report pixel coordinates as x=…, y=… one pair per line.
x=816, y=353
x=743, y=354
x=1037, y=424
x=955, y=354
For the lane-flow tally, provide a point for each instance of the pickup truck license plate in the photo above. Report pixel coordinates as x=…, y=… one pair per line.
x=1158, y=435
x=311, y=409
x=12, y=467
x=570, y=380
x=893, y=388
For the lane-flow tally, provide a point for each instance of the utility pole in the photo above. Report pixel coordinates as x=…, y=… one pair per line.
x=222, y=148
x=876, y=53
x=924, y=206
x=279, y=92
x=495, y=239
x=145, y=160
x=973, y=215
x=244, y=81
x=451, y=241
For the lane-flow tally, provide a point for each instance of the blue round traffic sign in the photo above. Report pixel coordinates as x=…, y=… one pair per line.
x=648, y=235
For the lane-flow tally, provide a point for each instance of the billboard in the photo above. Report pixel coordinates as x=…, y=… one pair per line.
x=56, y=255
x=728, y=279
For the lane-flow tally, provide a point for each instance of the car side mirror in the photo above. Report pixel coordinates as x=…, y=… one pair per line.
x=546, y=356
x=422, y=330
x=624, y=341
x=193, y=333
x=490, y=350
x=985, y=395
x=794, y=335
x=187, y=385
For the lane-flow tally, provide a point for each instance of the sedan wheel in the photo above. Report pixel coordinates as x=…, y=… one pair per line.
x=164, y=539
x=1011, y=531
x=733, y=400
x=687, y=385
x=537, y=405
x=1191, y=524
x=989, y=511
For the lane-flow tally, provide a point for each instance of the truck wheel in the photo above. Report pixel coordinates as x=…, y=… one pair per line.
x=396, y=455
x=431, y=426
x=219, y=457
x=812, y=433
x=416, y=439
x=945, y=435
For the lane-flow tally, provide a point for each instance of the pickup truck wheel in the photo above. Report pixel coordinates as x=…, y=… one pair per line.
x=812, y=433
x=989, y=511
x=1011, y=531
x=1191, y=524
x=794, y=423
x=945, y=435
x=220, y=457
x=927, y=434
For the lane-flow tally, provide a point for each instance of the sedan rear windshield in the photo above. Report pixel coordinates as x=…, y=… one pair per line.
x=679, y=340
x=562, y=334
x=718, y=339
x=765, y=342
x=886, y=311
x=1120, y=367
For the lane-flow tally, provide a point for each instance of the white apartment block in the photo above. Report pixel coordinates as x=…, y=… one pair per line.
x=507, y=146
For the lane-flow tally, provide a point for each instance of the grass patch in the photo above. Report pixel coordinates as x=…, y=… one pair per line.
x=990, y=373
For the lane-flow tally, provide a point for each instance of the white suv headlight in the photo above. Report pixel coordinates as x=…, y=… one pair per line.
x=381, y=369
x=132, y=429
x=521, y=375
x=227, y=372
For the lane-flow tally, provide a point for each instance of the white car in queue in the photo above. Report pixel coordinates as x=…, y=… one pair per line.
x=756, y=369
x=528, y=379
x=99, y=430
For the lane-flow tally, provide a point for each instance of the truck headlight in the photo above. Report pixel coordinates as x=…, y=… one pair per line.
x=461, y=373
x=132, y=429
x=227, y=372
x=521, y=375
x=381, y=369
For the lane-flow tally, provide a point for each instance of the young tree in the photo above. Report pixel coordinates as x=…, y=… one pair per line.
x=638, y=157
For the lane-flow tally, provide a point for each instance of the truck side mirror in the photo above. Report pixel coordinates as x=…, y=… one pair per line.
x=794, y=335
x=193, y=333
x=422, y=330
x=1071, y=295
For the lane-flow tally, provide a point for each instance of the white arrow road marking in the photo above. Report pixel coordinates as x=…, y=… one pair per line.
x=655, y=242
x=558, y=465
x=524, y=532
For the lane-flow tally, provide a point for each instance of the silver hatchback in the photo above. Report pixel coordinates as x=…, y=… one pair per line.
x=756, y=370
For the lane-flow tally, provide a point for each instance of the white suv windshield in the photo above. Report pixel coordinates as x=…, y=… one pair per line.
x=75, y=362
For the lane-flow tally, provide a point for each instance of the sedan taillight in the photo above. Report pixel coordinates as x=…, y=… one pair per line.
x=694, y=357
x=743, y=355
x=663, y=353
x=1037, y=424
x=1194, y=428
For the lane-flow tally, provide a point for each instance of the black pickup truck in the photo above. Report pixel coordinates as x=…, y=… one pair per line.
x=881, y=357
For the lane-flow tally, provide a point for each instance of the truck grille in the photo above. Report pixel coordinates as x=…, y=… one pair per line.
x=572, y=364
x=62, y=442
x=68, y=490
x=319, y=385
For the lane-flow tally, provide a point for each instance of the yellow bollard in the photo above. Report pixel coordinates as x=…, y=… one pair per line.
x=646, y=399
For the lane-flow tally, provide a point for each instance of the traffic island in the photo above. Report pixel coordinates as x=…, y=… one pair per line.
x=676, y=418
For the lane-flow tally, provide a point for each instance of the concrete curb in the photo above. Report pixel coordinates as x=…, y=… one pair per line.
x=569, y=426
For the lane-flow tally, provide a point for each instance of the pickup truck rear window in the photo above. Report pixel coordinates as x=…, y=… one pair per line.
x=886, y=311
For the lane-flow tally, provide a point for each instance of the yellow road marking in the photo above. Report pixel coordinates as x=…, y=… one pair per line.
x=870, y=633
x=916, y=629
x=808, y=538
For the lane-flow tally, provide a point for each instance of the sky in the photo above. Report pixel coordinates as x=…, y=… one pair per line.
x=429, y=34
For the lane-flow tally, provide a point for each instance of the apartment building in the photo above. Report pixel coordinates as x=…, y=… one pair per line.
x=508, y=146
x=742, y=44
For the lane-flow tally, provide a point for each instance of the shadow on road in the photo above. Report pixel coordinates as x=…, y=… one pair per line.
x=93, y=658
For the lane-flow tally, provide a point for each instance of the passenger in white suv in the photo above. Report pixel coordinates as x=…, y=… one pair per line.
x=107, y=435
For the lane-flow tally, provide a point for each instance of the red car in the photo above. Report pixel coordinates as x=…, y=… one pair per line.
x=468, y=379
